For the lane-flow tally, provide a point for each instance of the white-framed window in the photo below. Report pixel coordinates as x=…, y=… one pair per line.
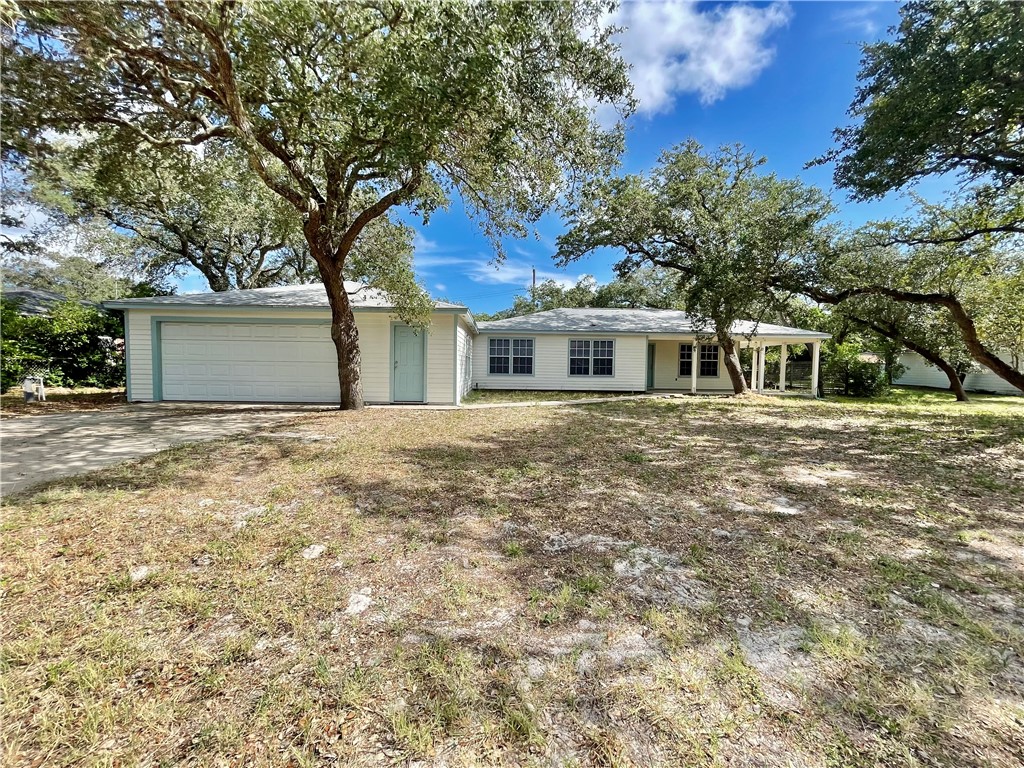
x=685, y=360
x=591, y=357
x=709, y=360
x=510, y=356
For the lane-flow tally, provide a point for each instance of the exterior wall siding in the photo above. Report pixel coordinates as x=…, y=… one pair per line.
x=920, y=373
x=666, y=368
x=464, y=344
x=551, y=365
x=374, y=342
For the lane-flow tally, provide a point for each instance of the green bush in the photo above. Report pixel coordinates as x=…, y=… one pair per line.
x=79, y=345
x=846, y=372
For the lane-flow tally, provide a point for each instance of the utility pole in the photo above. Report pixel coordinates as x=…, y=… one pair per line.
x=533, y=290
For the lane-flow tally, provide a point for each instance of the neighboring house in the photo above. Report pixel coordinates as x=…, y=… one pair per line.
x=274, y=345
x=35, y=302
x=920, y=373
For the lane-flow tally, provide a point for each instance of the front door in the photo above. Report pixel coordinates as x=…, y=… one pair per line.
x=407, y=366
x=650, y=366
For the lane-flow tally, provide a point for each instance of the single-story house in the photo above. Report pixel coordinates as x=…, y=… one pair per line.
x=918, y=372
x=274, y=345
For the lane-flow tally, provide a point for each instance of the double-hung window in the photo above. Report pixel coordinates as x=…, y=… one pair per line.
x=685, y=360
x=591, y=357
x=510, y=356
x=709, y=360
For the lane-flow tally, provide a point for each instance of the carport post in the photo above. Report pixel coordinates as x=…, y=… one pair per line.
x=694, y=362
x=782, y=367
x=815, y=352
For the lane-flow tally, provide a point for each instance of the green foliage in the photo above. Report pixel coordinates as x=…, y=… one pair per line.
x=849, y=369
x=74, y=277
x=728, y=232
x=943, y=96
x=644, y=287
x=342, y=110
x=80, y=345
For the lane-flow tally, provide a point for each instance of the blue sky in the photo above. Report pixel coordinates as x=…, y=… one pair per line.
x=776, y=77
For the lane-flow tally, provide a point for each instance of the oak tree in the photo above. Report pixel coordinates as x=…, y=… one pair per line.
x=343, y=110
x=730, y=232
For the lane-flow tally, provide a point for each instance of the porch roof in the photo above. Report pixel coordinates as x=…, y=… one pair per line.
x=632, y=321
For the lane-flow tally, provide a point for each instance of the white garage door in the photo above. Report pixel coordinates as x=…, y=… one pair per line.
x=249, y=362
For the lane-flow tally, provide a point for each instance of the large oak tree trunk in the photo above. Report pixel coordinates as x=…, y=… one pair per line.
x=955, y=385
x=346, y=341
x=979, y=351
x=344, y=332
x=732, y=364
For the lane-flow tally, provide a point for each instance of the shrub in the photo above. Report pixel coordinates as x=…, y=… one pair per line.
x=79, y=345
x=848, y=370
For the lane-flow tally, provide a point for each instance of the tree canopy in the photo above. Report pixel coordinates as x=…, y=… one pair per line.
x=343, y=110
x=946, y=95
x=730, y=232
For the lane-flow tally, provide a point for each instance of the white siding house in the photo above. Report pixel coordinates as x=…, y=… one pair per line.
x=920, y=373
x=642, y=350
x=274, y=345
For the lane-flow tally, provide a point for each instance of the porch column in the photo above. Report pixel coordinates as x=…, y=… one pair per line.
x=760, y=371
x=694, y=362
x=782, y=367
x=755, y=366
x=815, y=352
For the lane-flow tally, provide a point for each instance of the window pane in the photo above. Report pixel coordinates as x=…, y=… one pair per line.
x=579, y=366
x=579, y=349
x=604, y=352
x=522, y=356
x=686, y=359
x=579, y=357
x=709, y=360
x=499, y=356
x=523, y=347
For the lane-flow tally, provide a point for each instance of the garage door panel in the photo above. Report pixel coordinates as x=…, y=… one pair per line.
x=248, y=362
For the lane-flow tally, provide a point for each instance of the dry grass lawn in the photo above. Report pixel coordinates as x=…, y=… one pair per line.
x=697, y=582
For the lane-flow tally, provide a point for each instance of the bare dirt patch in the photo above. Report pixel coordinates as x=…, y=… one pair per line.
x=61, y=400
x=694, y=582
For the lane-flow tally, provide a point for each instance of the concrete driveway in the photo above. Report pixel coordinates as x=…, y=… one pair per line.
x=36, y=449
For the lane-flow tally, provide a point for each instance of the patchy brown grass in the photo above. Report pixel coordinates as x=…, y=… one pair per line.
x=60, y=400
x=692, y=582
x=487, y=396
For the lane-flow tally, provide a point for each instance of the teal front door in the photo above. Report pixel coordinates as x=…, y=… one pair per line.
x=407, y=365
x=650, y=366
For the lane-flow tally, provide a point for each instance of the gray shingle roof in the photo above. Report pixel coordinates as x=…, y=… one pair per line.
x=313, y=295
x=627, y=321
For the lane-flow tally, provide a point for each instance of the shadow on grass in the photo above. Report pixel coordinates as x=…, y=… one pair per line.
x=829, y=554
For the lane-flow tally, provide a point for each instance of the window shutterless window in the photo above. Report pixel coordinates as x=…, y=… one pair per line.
x=686, y=359
x=522, y=356
x=604, y=355
x=591, y=358
x=709, y=360
x=513, y=356
x=579, y=358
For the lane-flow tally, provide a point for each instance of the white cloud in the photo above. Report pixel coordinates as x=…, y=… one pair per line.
x=440, y=287
x=859, y=17
x=422, y=244
x=513, y=272
x=676, y=47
